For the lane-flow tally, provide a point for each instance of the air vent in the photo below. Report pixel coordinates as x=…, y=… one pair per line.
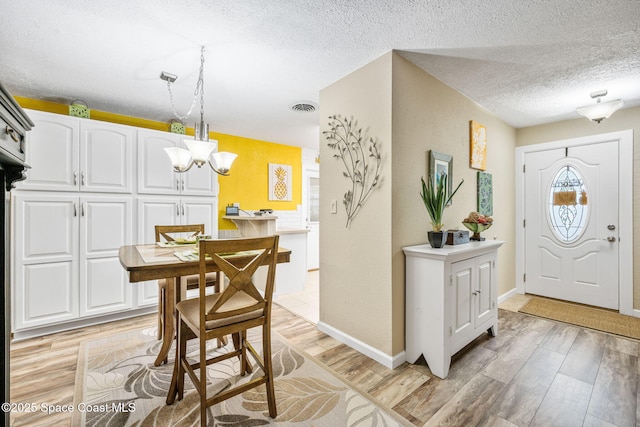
x=304, y=107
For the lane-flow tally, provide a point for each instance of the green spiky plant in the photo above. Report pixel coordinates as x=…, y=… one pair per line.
x=435, y=199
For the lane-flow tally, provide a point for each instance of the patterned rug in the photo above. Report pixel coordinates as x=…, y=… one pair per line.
x=117, y=385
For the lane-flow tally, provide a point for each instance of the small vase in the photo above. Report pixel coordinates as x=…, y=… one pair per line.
x=437, y=239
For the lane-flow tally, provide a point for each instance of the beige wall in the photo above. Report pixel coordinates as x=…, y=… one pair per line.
x=355, y=283
x=411, y=112
x=628, y=118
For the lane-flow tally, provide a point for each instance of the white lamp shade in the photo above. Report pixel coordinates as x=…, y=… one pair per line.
x=180, y=158
x=200, y=150
x=222, y=161
x=600, y=111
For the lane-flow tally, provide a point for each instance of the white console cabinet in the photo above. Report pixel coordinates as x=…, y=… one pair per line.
x=451, y=299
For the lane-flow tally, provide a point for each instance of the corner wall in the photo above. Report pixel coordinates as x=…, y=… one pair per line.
x=410, y=112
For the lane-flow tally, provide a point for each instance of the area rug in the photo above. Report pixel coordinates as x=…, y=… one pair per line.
x=118, y=385
x=582, y=315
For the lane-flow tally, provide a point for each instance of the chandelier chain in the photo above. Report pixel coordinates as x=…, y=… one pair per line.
x=198, y=91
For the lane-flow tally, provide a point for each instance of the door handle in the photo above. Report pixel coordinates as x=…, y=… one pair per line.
x=610, y=239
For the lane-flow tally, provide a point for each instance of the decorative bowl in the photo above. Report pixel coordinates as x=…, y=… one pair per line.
x=477, y=228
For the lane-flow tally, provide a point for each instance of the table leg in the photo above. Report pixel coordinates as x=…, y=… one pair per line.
x=171, y=295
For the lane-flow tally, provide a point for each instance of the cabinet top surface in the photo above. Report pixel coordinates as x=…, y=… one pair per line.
x=426, y=250
x=250, y=218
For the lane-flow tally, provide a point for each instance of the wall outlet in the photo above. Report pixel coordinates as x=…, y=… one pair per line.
x=334, y=206
x=236, y=205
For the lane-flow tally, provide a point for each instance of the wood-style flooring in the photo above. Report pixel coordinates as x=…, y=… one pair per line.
x=536, y=372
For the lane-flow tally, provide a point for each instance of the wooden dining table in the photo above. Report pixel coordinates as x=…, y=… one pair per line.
x=153, y=262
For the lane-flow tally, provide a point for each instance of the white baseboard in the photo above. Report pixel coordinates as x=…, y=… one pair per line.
x=24, y=334
x=636, y=313
x=507, y=295
x=384, y=359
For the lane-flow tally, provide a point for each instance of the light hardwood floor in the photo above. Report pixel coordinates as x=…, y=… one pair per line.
x=535, y=373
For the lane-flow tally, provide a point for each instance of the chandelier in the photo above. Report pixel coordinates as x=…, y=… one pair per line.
x=199, y=150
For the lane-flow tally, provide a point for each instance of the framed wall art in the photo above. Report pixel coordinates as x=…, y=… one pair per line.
x=485, y=194
x=440, y=164
x=477, y=146
x=280, y=182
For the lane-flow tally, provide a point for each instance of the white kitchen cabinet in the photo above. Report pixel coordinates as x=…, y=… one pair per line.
x=152, y=211
x=451, y=299
x=156, y=175
x=66, y=257
x=73, y=154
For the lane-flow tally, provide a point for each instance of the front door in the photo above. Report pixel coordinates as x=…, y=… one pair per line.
x=571, y=223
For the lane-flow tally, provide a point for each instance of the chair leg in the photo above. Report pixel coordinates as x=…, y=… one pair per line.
x=177, y=373
x=268, y=367
x=203, y=383
x=161, y=297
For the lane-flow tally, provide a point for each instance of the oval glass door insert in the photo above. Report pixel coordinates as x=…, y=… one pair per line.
x=568, y=204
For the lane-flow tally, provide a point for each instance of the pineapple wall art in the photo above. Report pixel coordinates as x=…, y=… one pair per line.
x=279, y=182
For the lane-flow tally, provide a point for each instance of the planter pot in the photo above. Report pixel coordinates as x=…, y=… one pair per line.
x=437, y=239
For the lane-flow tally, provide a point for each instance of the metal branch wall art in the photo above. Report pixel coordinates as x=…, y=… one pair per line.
x=361, y=158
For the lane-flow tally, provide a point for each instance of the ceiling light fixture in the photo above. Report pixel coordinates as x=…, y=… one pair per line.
x=600, y=110
x=200, y=149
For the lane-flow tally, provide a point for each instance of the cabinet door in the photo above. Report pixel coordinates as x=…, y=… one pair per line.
x=462, y=286
x=45, y=267
x=105, y=226
x=155, y=173
x=153, y=211
x=486, y=289
x=199, y=182
x=52, y=152
x=106, y=157
x=200, y=210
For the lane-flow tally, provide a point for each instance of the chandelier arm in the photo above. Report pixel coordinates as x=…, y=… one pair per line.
x=217, y=170
x=181, y=170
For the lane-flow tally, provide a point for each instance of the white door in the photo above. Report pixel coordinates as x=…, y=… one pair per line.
x=313, y=220
x=155, y=173
x=52, y=151
x=571, y=223
x=105, y=226
x=106, y=157
x=45, y=267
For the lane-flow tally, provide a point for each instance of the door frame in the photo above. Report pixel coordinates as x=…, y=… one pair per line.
x=625, y=208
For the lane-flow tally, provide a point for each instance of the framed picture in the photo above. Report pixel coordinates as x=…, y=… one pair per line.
x=280, y=182
x=440, y=164
x=485, y=193
x=477, y=146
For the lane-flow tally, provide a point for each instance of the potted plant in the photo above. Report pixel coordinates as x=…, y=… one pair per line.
x=436, y=199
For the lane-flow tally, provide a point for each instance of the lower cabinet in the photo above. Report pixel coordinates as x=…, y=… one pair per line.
x=66, y=263
x=451, y=299
x=156, y=210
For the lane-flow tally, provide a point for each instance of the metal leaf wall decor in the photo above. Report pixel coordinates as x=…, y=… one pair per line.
x=361, y=158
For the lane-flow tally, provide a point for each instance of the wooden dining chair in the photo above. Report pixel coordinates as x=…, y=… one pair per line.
x=239, y=307
x=168, y=233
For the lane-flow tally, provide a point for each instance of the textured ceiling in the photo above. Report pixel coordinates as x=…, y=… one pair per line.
x=528, y=62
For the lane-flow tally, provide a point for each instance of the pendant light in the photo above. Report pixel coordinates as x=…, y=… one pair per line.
x=199, y=150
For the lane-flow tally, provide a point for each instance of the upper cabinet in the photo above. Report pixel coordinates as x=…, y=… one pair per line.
x=73, y=154
x=156, y=175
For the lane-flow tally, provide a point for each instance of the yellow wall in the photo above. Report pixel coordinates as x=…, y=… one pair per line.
x=248, y=182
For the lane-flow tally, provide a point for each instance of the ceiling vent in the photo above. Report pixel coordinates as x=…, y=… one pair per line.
x=304, y=107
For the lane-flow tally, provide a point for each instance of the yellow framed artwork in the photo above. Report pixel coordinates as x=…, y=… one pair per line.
x=477, y=146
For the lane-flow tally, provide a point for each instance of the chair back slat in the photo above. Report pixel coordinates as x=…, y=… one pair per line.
x=166, y=232
x=239, y=260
